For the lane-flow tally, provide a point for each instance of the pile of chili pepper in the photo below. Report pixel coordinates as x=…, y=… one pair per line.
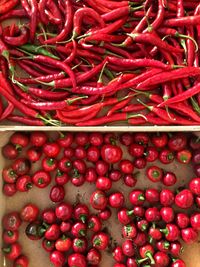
x=100, y=62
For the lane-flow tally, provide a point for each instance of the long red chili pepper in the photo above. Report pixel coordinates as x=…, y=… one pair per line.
x=50, y=105
x=67, y=26
x=16, y=13
x=9, y=5
x=153, y=39
x=58, y=64
x=112, y=4
x=79, y=15
x=169, y=76
x=186, y=110
x=26, y=120
x=182, y=22
x=131, y=63
x=169, y=116
x=159, y=17
x=109, y=119
x=83, y=77
x=181, y=97
x=116, y=13
x=67, y=120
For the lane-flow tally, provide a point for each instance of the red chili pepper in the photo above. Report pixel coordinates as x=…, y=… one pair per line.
x=49, y=95
x=98, y=7
x=159, y=17
x=135, y=63
x=80, y=14
x=153, y=39
x=116, y=13
x=87, y=117
x=169, y=116
x=38, y=79
x=182, y=22
x=188, y=111
x=169, y=76
x=112, y=4
x=118, y=106
x=9, y=5
x=107, y=119
x=67, y=26
x=18, y=40
x=18, y=13
x=181, y=97
x=83, y=77
x=53, y=13
x=57, y=64
x=30, y=70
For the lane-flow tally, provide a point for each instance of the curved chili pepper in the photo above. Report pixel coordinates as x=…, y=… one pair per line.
x=103, y=37
x=78, y=17
x=40, y=67
x=190, y=47
x=159, y=17
x=67, y=26
x=33, y=18
x=139, y=28
x=57, y=64
x=7, y=111
x=87, y=117
x=118, y=106
x=21, y=39
x=87, y=90
x=24, y=109
x=9, y=5
x=87, y=109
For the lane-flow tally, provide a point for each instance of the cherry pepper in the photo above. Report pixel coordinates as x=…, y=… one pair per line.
x=100, y=241
x=21, y=261
x=111, y=153
x=12, y=251
x=184, y=199
x=81, y=212
x=146, y=252
x=172, y=232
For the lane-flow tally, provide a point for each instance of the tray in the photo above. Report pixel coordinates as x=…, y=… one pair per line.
x=33, y=249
